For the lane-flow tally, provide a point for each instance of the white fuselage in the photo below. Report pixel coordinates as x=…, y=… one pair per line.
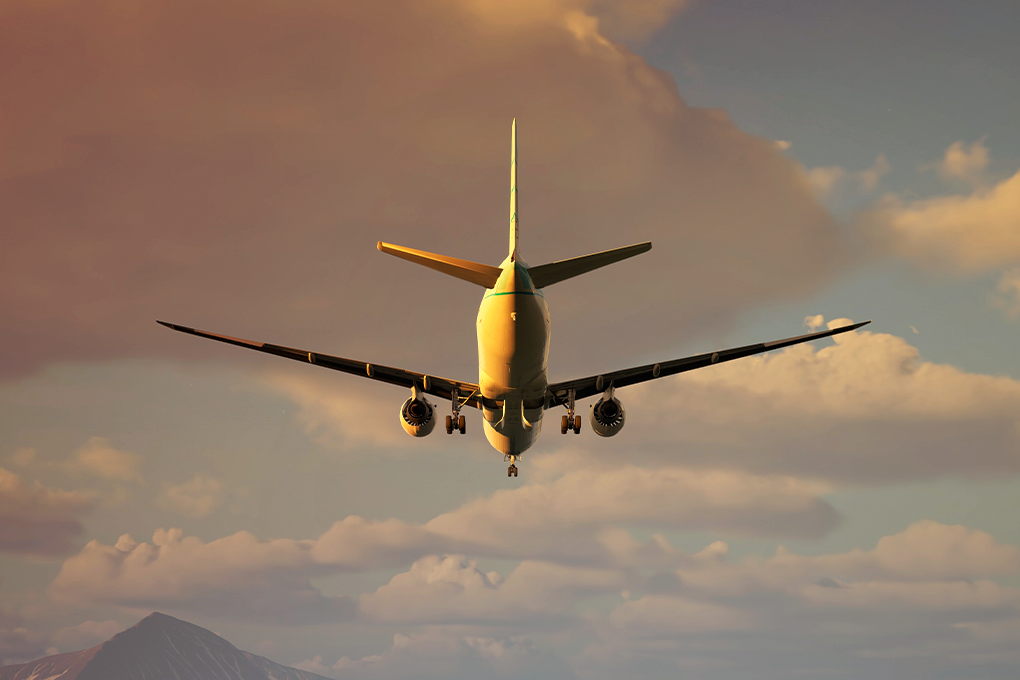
x=513, y=359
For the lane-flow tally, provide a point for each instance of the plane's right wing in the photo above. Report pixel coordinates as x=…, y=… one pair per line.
x=559, y=393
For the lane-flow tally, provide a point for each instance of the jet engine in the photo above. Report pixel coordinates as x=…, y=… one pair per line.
x=607, y=415
x=417, y=415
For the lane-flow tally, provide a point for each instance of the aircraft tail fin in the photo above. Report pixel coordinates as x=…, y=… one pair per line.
x=513, y=191
x=554, y=272
x=479, y=274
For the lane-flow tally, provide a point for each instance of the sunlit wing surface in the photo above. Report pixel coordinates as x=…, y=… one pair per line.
x=440, y=387
x=559, y=393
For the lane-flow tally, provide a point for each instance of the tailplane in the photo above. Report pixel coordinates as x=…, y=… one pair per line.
x=554, y=272
x=480, y=274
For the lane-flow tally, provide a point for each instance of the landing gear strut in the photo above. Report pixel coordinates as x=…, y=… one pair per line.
x=456, y=421
x=570, y=421
x=512, y=470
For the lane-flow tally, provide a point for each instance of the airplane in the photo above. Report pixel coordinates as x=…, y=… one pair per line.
x=513, y=390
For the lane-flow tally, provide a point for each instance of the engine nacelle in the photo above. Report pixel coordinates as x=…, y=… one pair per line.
x=607, y=415
x=418, y=416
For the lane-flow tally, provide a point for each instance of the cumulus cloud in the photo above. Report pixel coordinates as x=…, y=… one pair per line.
x=1009, y=293
x=581, y=517
x=197, y=497
x=98, y=457
x=236, y=576
x=37, y=520
x=451, y=589
x=869, y=178
x=964, y=162
x=445, y=652
x=909, y=598
x=824, y=179
x=211, y=160
x=830, y=180
x=865, y=409
x=967, y=233
x=84, y=635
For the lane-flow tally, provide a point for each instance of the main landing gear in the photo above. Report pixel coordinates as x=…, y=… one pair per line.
x=456, y=421
x=512, y=470
x=570, y=421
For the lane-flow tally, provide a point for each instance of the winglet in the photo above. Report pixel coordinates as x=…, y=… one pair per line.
x=513, y=191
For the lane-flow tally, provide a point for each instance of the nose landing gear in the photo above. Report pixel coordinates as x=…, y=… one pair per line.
x=512, y=470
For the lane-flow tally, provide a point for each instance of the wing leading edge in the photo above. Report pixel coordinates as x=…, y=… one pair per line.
x=439, y=387
x=558, y=393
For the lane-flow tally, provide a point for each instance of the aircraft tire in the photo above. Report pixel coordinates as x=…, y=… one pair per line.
x=462, y=424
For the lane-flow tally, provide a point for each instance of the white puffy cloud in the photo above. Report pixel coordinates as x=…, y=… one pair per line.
x=38, y=520
x=967, y=233
x=869, y=178
x=918, y=599
x=98, y=457
x=580, y=517
x=451, y=589
x=447, y=652
x=1009, y=293
x=236, y=576
x=964, y=162
x=84, y=635
x=867, y=408
x=248, y=117
x=194, y=498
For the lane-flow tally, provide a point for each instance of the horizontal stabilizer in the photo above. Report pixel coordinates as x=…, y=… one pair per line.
x=554, y=272
x=480, y=274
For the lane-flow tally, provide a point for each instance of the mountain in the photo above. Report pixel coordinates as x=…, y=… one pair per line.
x=159, y=647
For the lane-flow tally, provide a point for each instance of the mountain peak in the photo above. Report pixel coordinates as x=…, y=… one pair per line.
x=159, y=646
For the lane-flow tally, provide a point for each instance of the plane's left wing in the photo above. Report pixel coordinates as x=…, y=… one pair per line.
x=559, y=393
x=440, y=387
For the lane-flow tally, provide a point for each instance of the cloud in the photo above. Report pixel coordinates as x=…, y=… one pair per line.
x=964, y=162
x=827, y=181
x=824, y=179
x=19, y=644
x=915, y=601
x=444, y=652
x=22, y=458
x=237, y=577
x=451, y=589
x=966, y=234
x=197, y=497
x=866, y=409
x=84, y=635
x=228, y=167
x=581, y=517
x=869, y=178
x=98, y=457
x=37, y=520
x=1009, y=289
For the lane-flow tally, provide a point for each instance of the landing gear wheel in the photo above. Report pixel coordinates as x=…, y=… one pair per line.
x=577, y=424
x=511, y=471
x=563, y=425
x=461, y=424
x=449, y=424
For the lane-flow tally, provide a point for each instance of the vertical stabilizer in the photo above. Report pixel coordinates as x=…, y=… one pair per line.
x=513, y=191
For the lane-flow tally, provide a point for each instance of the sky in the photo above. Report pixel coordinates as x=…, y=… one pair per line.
x=842, y=509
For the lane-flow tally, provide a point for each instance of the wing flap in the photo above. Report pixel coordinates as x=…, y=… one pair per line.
x=557, y=393
x=434, y=385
